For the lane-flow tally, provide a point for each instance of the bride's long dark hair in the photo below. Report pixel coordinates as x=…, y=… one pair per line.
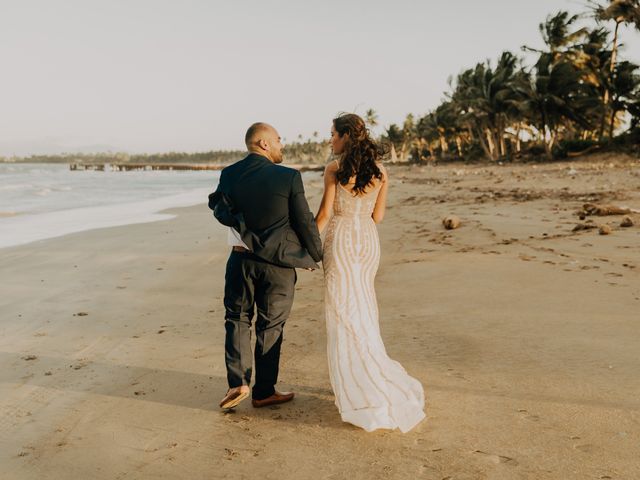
x=360, y=154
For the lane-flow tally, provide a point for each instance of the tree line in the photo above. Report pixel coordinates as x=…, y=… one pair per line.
x=575, y=97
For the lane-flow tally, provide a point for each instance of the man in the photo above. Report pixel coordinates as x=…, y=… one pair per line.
x=272, y=232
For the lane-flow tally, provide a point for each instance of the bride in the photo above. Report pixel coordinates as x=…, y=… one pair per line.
x=372, y=391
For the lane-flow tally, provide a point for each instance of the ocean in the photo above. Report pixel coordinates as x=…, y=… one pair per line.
x=40, y=201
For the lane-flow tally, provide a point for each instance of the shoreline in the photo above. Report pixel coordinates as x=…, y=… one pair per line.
x=24, y=229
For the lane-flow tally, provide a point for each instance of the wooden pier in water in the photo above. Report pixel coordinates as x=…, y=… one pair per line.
x=123, y=167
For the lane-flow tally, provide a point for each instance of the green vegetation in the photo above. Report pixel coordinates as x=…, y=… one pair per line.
x=574, y=98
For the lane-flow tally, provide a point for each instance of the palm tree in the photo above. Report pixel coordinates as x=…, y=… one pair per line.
x=371, y=118
x=624, y=88
x=401, y=138
x=557, y=34
x=556, y=98
x=633, y=107
x=394, y=136
x=408, y=136
x=593, y=57
x=436, y=127
x=621, y=12
x=562, y=94
x=425, y=136
x=516, y=108
x=482, y=100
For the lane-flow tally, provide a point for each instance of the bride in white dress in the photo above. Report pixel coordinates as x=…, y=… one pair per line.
x=371, y=390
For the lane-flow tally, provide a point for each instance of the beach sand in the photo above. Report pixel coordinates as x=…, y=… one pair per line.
x=525, y=335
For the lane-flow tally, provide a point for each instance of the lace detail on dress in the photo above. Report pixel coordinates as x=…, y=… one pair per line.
x=372, y=391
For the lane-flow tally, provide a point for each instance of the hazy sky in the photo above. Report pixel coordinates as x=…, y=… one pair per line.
x=150, y=76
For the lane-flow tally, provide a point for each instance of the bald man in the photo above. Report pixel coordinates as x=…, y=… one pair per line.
x=271, y=233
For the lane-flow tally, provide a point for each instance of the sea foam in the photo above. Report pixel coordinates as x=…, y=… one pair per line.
x=39, y=201
x=21, y=229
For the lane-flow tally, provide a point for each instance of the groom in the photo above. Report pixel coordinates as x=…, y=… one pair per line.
x=271, y=232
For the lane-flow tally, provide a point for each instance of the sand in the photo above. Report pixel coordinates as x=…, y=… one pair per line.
x=525, y=334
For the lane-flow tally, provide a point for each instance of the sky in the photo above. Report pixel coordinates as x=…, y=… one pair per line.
x=154, y=75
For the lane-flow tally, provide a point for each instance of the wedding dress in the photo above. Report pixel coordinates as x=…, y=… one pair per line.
x=371, y=390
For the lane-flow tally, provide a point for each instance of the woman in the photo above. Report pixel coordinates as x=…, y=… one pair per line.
x=372, y=391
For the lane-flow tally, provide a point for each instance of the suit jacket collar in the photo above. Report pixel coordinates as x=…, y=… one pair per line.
x=256, y=157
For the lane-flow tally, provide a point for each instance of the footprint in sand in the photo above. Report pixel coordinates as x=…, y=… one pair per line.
x=586, y=448
x=80, y=364
x=526, y=415
x=497, y=459
x=230, y=453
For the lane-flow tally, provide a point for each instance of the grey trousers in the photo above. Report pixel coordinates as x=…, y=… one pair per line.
x=254, y=284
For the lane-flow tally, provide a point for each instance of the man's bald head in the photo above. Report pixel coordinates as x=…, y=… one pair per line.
x=258, y=131
x=263, y=139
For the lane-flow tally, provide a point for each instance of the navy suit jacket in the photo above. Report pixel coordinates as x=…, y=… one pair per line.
x=265, y=203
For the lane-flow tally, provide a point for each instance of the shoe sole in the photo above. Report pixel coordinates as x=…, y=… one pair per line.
x=234, y=401
x=277, y=402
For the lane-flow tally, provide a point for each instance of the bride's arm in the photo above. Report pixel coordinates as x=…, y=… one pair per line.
x=381, y=201
x=326, y=205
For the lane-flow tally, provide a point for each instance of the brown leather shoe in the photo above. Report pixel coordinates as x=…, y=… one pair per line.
x=275, y=399
x=234, y=396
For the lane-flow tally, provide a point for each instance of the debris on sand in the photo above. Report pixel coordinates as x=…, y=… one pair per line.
x=626, y=222
x=584, y=226
x=604, y=229
x=602, y=210
x=451, y=222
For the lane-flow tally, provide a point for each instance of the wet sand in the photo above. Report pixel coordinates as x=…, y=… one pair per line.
x=524, y=333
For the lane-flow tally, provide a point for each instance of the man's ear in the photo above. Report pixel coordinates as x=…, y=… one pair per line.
x=263, y=144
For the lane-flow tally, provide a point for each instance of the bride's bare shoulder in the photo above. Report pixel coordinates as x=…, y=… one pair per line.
x=383, y=170
x=332, y=166
x=330, y=172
